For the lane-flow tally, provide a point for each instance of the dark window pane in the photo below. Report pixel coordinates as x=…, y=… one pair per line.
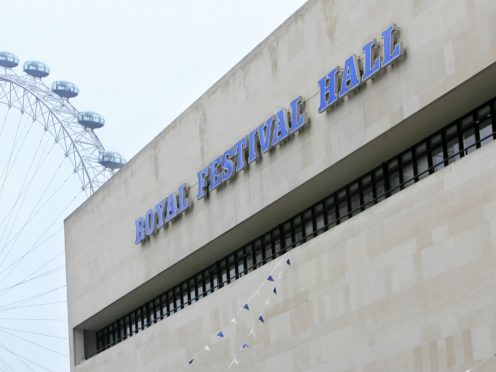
x=394, y=176
x=257, y=245
x=485, y=122
x=208, y=281
x=308, y=223
x=111, y=334
x=122, y=329
x=452, y=143
x=318, y=211
x=288, y=235
x=99, y=340
x=437, y=152
x=105, y=336
x=139, y=320
x=231, y=264
x=172, y=302
x=199, y=284
x=240, y=262
x=343, y=206
x=468, y=131
x=354, y=191
x=215, y=277
x=133, y=323
x=146, y=319
x=165, y=302
x=158, y=309
x=192, y=290
x=117, y=332
x=223, y=271
x=421, y=161
x=367, y=191
x=330, y=211
x=151, y=313
x=178, y=296
x=298, y=229
x=276, y=241
x=267, y=246
x=407, y=169
x=127, y=325
x=379, y=184
x=185, y=293
x=249, y=257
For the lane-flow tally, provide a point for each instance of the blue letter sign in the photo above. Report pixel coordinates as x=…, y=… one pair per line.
x=335, y=85
x=274, y=131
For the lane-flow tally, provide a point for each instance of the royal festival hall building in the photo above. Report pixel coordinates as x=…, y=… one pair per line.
x=328, y=205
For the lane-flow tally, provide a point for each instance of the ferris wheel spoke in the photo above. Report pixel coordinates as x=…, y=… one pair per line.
x=14, y=264
x=5, y=120
x=18, y=357
x=32, y=298
x=29, y=222
x=21, y=192
x=22, y=195
x=7, y=366
x=33, y=343
x=7, y=289
x=7, y=164
x=32, y=305
x=24, y=359
x=55, y=220
x=35, y=211
x=33, y=333
x=51, y=179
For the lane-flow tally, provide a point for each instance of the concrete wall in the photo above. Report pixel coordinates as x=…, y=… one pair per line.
x=448, y=42
x=407, y=285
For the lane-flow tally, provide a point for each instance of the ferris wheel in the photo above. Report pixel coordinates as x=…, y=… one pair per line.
x=73, y=130
x=38, y=188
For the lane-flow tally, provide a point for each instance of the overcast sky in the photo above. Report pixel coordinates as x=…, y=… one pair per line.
x=140, y=64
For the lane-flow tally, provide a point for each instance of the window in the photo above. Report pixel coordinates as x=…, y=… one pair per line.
x=421, y=161
x=342, y=206
x=468, y=131
x=426, y=157
x=485, y=122
x=318, y=211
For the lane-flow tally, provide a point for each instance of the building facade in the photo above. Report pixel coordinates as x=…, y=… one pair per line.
x=348, y=162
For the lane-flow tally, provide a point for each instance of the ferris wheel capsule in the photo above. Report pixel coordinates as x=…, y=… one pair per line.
x=91, y=119
x=111, y=160
x=36, y=69
x=8, y=60
x=65, y=89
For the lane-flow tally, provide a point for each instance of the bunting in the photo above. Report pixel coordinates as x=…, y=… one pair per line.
x=246, y=309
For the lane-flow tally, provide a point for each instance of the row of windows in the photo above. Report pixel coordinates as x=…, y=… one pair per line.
x=428, y=156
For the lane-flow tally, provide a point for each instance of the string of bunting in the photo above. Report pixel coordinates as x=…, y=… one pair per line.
x=257, y=318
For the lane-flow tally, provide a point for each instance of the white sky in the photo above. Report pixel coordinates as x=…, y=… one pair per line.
x=140, y=64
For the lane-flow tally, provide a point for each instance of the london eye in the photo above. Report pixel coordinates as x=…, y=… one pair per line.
x=51, y=160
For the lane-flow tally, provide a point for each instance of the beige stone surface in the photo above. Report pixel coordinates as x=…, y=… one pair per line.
x=407, y=285
x=355, y=299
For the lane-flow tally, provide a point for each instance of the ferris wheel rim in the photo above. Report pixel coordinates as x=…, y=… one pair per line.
x=91, y=182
